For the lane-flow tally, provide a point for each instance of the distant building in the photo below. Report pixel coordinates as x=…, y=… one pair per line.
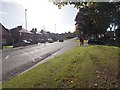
x=18, y=34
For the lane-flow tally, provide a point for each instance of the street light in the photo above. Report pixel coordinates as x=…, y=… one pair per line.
x=44, y=35
x=26, y=18
x=55, y=28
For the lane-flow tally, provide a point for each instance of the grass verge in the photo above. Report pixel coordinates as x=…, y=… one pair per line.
x=82, y=67
x=0, y=86
x=7, y=46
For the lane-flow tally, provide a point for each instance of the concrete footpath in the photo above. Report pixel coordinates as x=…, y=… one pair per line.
x=16, y=48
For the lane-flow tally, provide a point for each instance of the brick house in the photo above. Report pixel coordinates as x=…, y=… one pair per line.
x=15, y=33
x=25, y=35
x=5, y=36
x=39, y=36
x=20, y=33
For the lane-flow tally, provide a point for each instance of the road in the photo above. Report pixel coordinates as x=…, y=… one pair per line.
x=15, y=61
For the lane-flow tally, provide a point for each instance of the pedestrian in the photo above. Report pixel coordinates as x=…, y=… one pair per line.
x=81, y=41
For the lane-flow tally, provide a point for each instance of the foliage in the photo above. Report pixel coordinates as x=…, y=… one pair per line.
x=94, y=17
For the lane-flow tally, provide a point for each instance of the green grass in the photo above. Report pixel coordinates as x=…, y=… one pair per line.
x=0, y=86
x=74, y=69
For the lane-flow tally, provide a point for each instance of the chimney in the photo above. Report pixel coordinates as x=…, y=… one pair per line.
x=19, y=27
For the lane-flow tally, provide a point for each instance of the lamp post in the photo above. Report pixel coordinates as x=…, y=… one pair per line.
x=44, y=28
x=26, y=18
x=55, y=28
x=44, y=35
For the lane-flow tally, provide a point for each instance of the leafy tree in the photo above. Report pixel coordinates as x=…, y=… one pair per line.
x=94, y=17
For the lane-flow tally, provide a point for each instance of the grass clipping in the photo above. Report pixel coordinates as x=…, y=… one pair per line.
x=82, y=67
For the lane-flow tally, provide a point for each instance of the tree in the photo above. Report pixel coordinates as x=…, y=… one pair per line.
x=83, y=22
x=96, y=16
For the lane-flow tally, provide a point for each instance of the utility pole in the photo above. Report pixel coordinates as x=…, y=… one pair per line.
x=44, y=35
x=44, y=28
x=26, y=18
x=55, y=28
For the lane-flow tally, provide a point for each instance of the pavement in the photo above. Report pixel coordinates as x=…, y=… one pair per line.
x=16, y=48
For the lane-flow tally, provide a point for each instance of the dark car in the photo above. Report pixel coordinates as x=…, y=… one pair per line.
x=5, y=44
x=95, y=41
x=22, y=43
x=61, y=40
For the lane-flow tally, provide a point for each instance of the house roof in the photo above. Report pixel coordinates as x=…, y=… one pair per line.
x=1, y=27
x=16, y=29
x=24, y=31
x=38, y=33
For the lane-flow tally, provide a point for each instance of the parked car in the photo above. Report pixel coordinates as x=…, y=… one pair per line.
x=55, y=39
x=42, y=41
x=30, y=40
x=50, y=40
x=22, y=43
x=95, y=41
x=4, y=44
x=61, y=40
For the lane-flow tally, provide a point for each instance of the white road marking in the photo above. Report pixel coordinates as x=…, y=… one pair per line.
x=33, y=59
x=29, y=55
x=7, y=57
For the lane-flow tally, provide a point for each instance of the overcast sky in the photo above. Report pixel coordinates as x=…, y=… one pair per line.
x=39, y=13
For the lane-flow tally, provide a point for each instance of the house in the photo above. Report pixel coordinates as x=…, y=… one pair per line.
x=15, y=33
x=20, y=33
x=25, y=34
x=110, y=34
x=5, y=35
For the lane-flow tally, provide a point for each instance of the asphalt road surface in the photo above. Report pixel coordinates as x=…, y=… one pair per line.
x=17, y=60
